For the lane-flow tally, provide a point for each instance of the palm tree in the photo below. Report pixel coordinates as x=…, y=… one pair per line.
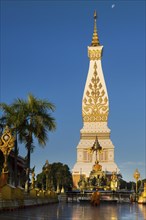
x=36, y=123
x=12, y=118
x=30, y=119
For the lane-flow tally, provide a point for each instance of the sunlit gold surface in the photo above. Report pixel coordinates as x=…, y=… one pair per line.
x=91, y=136
x=6, y=145
x=97, y=166
x=136, y=175
x=114, y=182
x=94, y=54
x=142, y=197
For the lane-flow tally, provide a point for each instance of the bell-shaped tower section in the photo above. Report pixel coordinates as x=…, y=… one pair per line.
x=95, y=110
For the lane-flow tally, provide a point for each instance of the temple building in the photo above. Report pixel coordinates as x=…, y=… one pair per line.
x=95, y=110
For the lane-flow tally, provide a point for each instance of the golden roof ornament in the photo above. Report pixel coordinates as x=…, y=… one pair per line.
x=95, y=148
x=95, y=40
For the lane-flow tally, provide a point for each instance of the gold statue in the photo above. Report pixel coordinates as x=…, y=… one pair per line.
x=142, y=197
x=114, y=181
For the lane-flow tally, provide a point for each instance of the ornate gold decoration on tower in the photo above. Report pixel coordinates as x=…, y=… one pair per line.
x=95, y=148
x=95, y=52
x=95, y=103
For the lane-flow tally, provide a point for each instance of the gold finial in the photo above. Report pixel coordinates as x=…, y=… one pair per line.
x=95, y=40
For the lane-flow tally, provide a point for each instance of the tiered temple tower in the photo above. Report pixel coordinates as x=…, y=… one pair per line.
x=95, y=110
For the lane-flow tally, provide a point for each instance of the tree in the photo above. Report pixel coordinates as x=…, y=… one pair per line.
x=37, y=121
x=34, y=120
x=13, y=119
x=59, y=175
x=41, y=180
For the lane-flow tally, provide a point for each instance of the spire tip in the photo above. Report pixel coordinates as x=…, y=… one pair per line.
x=95, y=40
x=95, y=14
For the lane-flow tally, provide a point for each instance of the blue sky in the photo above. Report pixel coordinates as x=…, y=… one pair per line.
x=44, y=51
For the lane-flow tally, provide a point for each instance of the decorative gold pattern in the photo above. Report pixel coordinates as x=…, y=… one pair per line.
x=88, y=137
x=95, y=104
x=6, y=145
x=94, y=134
x=94, y=54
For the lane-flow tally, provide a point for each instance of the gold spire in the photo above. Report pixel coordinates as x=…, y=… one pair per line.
x=95, y=40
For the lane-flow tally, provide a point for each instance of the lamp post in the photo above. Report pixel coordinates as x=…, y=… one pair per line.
x=136, y=176
x=6, y=145
x=46, y=168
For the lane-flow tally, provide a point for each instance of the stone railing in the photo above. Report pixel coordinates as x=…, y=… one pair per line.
x=13, y=198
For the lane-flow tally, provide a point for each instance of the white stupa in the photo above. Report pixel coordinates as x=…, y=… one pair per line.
x=95, y=110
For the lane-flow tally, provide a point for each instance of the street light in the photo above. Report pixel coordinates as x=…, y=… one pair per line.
x=46, y=168
x=6, y=145
x=136, y=176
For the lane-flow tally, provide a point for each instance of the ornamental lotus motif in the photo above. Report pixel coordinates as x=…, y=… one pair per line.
x=95, y=104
